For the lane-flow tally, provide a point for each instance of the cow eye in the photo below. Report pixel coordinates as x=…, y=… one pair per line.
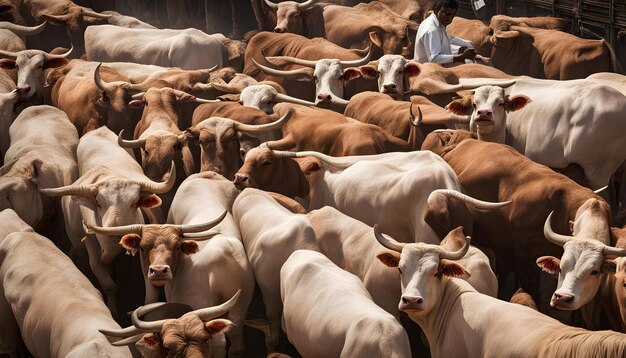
x=267, y=164
x=315, y=79
x=105, y=98
x=594, y=272
x=400, y=270
x=474, y=104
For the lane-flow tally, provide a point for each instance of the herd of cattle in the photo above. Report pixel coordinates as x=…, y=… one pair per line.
x=374, y=206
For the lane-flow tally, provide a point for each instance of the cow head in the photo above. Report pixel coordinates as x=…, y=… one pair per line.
x=394, y=37
x=160, y=246
x=263, y=169
x=223, y=140
x=19, y=189
x=422, y=268
x=75, y=19
x=290, y=15
x=260, y=96
x=393, y=72
x=583, y=262
x=160, y=140
x=186, y=336
x=488, y=107
x=31, y=66
x=10, y=13
x=114, y=202
x=330, y=76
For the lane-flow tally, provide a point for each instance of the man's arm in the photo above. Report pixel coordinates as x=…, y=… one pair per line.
x=461, y=42
x=432, y=45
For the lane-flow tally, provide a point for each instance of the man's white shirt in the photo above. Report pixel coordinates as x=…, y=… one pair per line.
x=432, y=43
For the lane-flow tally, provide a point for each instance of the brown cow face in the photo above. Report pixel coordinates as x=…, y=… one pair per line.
x=392, y=38
x=158, y=153
x=188, y=336
x=289, y=18
x=259, y=169
x=160, y=248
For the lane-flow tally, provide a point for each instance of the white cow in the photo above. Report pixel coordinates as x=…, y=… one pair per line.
x=460, y=322
x=328, y=313
x=270, y=234
x=110, y=191
x=9, y=96
x=197, y=274
x=57, y=309
x=42, y=155
x=161, y=47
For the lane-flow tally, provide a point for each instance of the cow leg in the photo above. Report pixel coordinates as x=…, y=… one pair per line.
x=218, y=345
x=102, y=273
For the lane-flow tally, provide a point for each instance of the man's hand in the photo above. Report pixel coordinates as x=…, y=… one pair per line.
x=464, y=54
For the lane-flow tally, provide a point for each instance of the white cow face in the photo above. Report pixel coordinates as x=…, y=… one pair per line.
x=260, y=97
x=489, y=108
x=392, y=72
x=329, y=77
x=580, y=270
x=31, y=66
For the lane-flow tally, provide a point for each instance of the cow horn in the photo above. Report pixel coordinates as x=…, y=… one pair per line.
x=208, y=313
x=598, y=191
x=338, y=101
x=291, y=74
x=420, y=117
x=456, y=255
x=614, y=251
x=106, y=87
x=389, y=243
x=279, y=97
x=201, y=236
x=271, y=5
x=137, y=143
x=294, y=60
x=553, y=237
x=116, y=230
x=63, y=55
x=152, y=326
x=124, y=332
x=226, y=88
x=7, y=54
x=479, y=204
x=306, y=5
x=97, y=15
x=337, y=162
x=359, y=62
x=23, y=30
x=160, y=188
x=184, y=229
x=251, y=128
x=202, y=100
x=128, y=341
x=138, y=96
x=80, y=190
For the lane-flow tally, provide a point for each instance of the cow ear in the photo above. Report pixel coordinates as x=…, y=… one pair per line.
x=451, y=269
x=7, y=64
x=609, y=266
x=411, y=69
x=351, y=73
x=131, y=243
x=389, y=258
x=189, y=247
x=218, y=325
x=571, y=226
x=369, y=72
x=549, y=264
x=55, y=62
x=136, y=103
x=150, y=201
x=310, y=167
x=457, y=107
x=512, y=104
x=151, y=339
x=375, y=38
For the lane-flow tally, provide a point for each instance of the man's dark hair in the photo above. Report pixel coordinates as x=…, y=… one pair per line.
x=452, y=4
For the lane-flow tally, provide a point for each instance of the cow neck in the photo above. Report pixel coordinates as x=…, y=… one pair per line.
x=295, y=183
x=498, y=137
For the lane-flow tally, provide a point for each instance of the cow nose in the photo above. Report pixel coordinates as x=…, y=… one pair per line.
x=484, y=112
x=563, y=298
x=23, y=89
x=241, y=178
x=279, y=30
x=158, y=270
x=390, y=86
x=412, y=300
x=323, y=97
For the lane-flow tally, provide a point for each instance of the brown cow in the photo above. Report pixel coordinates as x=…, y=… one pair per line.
x=396, y=117
x=535, y=190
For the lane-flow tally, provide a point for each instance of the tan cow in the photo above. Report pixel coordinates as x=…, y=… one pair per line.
x=448, y=308
x=9, y=96
x=328, y=313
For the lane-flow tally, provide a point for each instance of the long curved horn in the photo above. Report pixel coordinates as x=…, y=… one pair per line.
x=10, y=55
x=307, y=4
x=598, y=191
x=359, y=62
x=23, y=30
x=226, y=88
x=294, y=60
x=128, y=341
x=420, y=117
x=137, y=143
x=80, y=190
x=389, y=243
x=280, y=73
x=614, y=251
x=479, y=204
x=201, y=236
x=116, y=230
x=202, y=100
x=208, y=313
x=97, y=15
x=124, y=332
x=271, y=5
x=337, y=162
x=106, y=87
x=63, y=55
x=455, y=255
x=251, y=128
x=160, y=188
x=152, y=326
x=553, y=237
x=279, y=97
x=184, y=229
x=339, y=101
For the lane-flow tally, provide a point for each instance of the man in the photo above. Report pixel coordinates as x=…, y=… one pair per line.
x=432, y=43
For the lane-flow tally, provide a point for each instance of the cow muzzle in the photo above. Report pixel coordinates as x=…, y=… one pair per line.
x=159, y=275
x=411, y=303
x=241, y=181
x=562, y=301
